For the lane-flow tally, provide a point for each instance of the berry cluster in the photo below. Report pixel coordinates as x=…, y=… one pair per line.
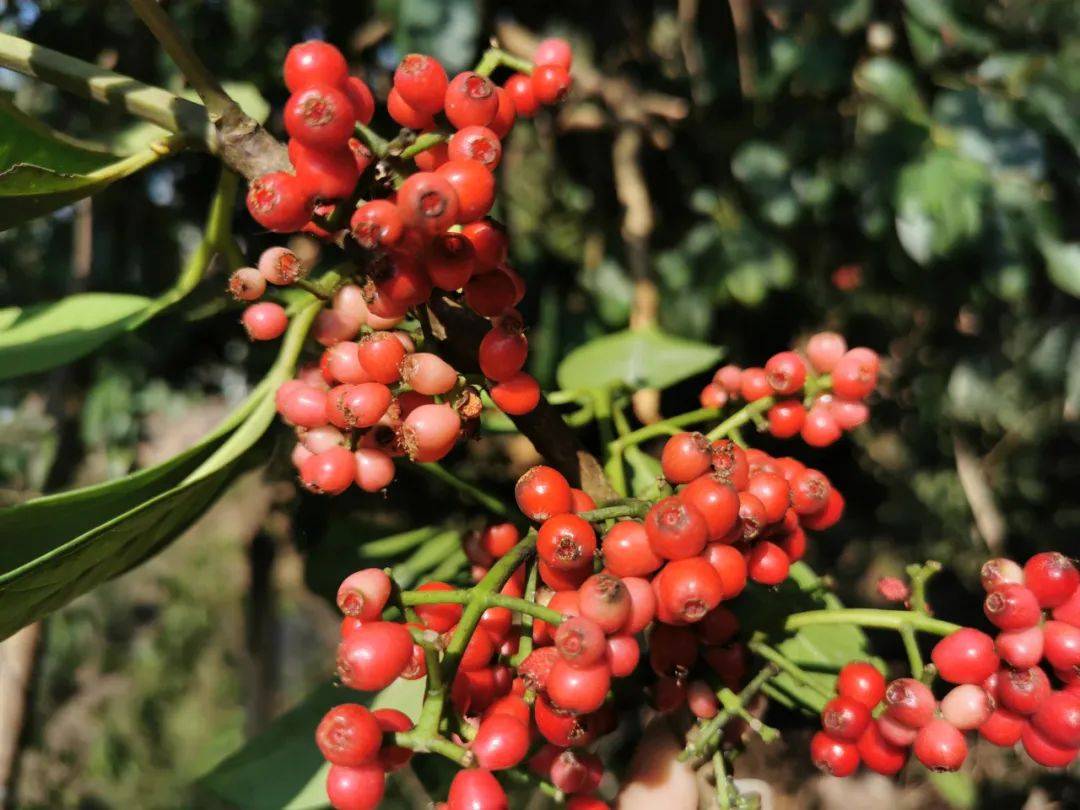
x=417, y=228
x=1001, y=685
x=821, y=415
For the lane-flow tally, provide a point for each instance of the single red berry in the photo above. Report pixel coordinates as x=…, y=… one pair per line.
x=536, y=667
x=627, y=551
x=675, y=529
x=1062, y=646
x=1069, y=612
x=768, y=564
x=348, y=735
x=428, y=373
x=786, y=418
x=895, y=732
x=580, y=642
x=498, y=539
x=1023, y=691
x=381, y=354
x=578, y=689
x=474, y=184
x=754, y=384
x=301, y=405
x=543, y=492
x=502, y=352
x=320, y=116
x=559, y=727
x=247, y=284
x=845, y=718
x=553, y=51
x=642, y=604
x=470, y=100
x=329, y=472
x=1052, y=577
x=550, y=84
x=940, y=746
x=773, y=492
x=363, y=104
x=1003, y=727
x=479, y=144
x=1000, y=571
x=505, y=116
x=489, y=241
x=730, y=564
x=374, y=656
x=966, y=656
x=278, y=201
x=878, y=754
x=314, y=62
x=623, y=654
x=516, y=396
x=450, y=260
x=606, y=600
x=564, y=579
x=438, y=617
x=520, y=89
x=377, y=224
x=427, y=201
x=1044, y=751
x=820, y=428
x=421, y=82
x=358, y=788
x=1012, y=607
x=405, y=114
x=357, y=406
x=477, y=653
x=490, y=294
x=855, y=374
x=566, y=541
x=910, y=702
x=501, y=742
x=1020, y=649
x=686, y=456
x=324, y=174
x=810, y=491
x=786, y=373
x=374, y=469
x=834, y=757
x=713, y=396
x=861, y=681
x=717, y=502
x=364, y=594
x=689, y=588
x=825, y=350
x=1058, y=719
x=827, y=517
x=752, y=517
x=476, y=789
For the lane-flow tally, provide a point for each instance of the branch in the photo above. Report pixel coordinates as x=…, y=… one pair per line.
x=544, y=426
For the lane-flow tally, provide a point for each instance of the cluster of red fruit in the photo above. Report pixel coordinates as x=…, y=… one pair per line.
x=373, y=397
x=1000, y=689
x=820, y=418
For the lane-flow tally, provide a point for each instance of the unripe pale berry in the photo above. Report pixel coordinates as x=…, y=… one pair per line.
x=265, y=321
x=364, y=593
x=967, y=706
x=374, y=469
x=430, y=432
x=428, y=373
x=247, y=284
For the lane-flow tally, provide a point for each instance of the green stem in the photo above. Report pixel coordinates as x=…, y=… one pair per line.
x=869, y=617
x=470, y=596
x=494, y=58
x=701, y=740
x=423, y=143
x=121, y=92
x=473, y=492
x=920, y=575
x=663, y=428
x=200, y=78
x=785, y=664
x=747, y=413
x=911, y=647
x=723, y=784
x=397, y=543
x=378, y=145
x=525, y=642
x=630, y=507
x=433, y=743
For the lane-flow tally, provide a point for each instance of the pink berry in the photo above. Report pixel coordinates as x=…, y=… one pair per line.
x=967, y=706
x=329, y=472
x=363, y=594
x=825, y=350
x=343, y=363
x=247, y=284
x=300, y=404
x=265, y=321
x=374, y=469
x=428, y=373
x=280, y=266
x=430, y=432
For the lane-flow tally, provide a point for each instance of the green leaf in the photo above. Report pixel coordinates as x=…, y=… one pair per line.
x=1062, y=264
x=447, y=29
x=820, y=650
x=61, y=546
x=42, y=170
x=43, y=336
x=282, y=769
x=646, y=358
x=957, y=788
x=893, y=85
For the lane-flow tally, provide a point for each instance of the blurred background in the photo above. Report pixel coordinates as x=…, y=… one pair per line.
x=741, y=173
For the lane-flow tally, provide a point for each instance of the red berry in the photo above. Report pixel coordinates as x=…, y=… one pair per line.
x=855, y=374
x=320, y=117
x=1012, y=607
x=421, y=82
x=689, y=588
x=730, y=564
x=427, y=201
x=474, y=185
x=374, y=656
x=553, y=51
x=559, y=727
x=940, y=746
x=578, y=689
x=1062, y=646
x=686, y=456
x=329, y=472
x=489, y=241
x=966, y=656
x=878, y=754
x=247, y=284
x=1000, y=571
x=752, y=519
x=606, y=600
x=348, y=735
x=1069, y=612
x=377, y=224
x=768, y=564
x=438, y=617
x=675, y=529
x=359, y=788
x=820, y=428
x=520, y=89
x=825, y=350
x=501, y=742
x=278, y=201
x=895, y=732
x=862, y=682
x=502, y=353
x=623, y=654
x=1020, y=649
x=810, y=491
x=363, y=104
x=845, y=718
x=773, y=492
x=543, y=492
x=1058, y=719
x=476, y=143
x=729, y=462
x=517, y=395
x=405, y=114
x=786, y=418
x=827, y=517
x=564, y=579
x=642, y=604
x=301, y=405
x=1003, y=727
x=470, y=100
x=718, y=503
x=314, y=62
x=1052, y=577
x=1044, y=751
x=1022, y=691
x=550, y=83
x=566, y=541
x=834, y=757
x=490, y=294
x=364, y=594
x=910, y=702
x=754, y=384
x=476, y=789
x=713, y=396
x=627, y=551
x=786, y=373
x=580, y=642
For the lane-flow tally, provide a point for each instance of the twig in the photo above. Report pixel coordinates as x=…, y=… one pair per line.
x=980, y=496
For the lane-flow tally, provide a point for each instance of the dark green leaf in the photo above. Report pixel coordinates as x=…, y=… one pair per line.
x=44, y=336
x=447, y=29
x=892, y=84
x=42, y=170
x=939, y=204
x=1062, y=264
x=282, y=769
x=646, y=358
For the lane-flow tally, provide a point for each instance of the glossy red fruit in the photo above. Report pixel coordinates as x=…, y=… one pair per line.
x=878, y=754
x=754, y=384
x=623, y=654
x=1062, y=646
x=1058, y=719
x=689, y=588
x=717, y=502
x=505, y=116
x=966, y=656
x=474, y=184
x=470, y=100
x=561, y=728
x=543, y=492
x=845, y=718
x=358, y=788
x=786, y=418
x=490, y=294
x=428, y=202
x=786, y=373
x=820, y=428
x=314, y=62
x=374, y=656
x=855, y=374
x=810, y=492
x=773, y=492
x=1044, y=751
x=578, y=689
x=438, y=617
x=1012, y=607
x=730, y=464
x=730, y=564
x=1003, y=727
x=752, y=520
x=685, y=457
x=580, y=642
x=967, y=706
x=450, y=260
x=517, y=395
x=768, y=564
x=604, y=599
x=676, y=530
x=329, y=472
x=502, y=352
x=550, y=83
x=642, y=604
x=553, y=51
x=476, y=789
x=391, y=721
x=1052, y=577
x=377, y=224
x=364, y=594
x=565, y=541
x=910, y=702
x=348, y=735
x=827, y=517
x=476, y=143
x=940, y=746
x=501, y=742
x=834, y=757
x=320, y=116
x=519, y=87
x=324, y=174
x=1020, y=649
x=627, y=552
x=421, y=82
x=279, y=202
x=861, y=681
x=824, y=350
x=1022, y=691
x=1069, y=612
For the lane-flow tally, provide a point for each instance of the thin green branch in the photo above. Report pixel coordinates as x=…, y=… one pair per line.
x=704, y=737
x=785, y=664
x=494, y=58
x=747, y=413
x=471, y=491
x=920, y=576
x=662, y=428
x=423, y=143
x=629, y=507
x=911, y=647
x=869, y=617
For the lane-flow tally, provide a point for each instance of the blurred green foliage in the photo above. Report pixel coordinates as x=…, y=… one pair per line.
x=906, y=173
